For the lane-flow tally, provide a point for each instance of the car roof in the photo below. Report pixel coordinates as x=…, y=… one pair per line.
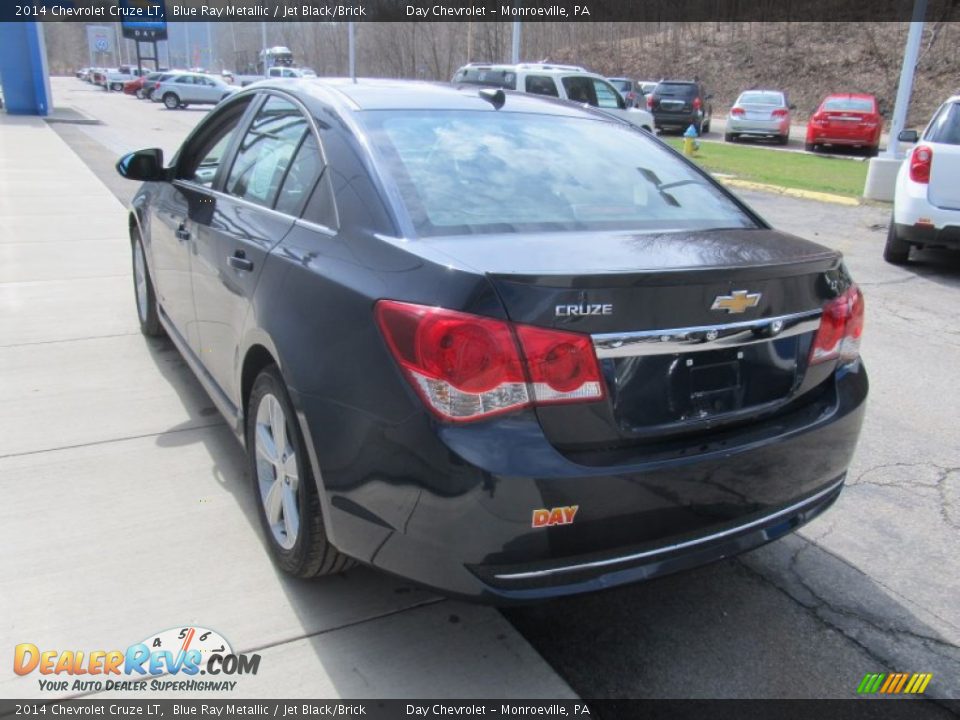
x=763, y=92
x=382, y=94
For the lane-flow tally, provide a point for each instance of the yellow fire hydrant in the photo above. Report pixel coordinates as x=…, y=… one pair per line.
x=690, y=141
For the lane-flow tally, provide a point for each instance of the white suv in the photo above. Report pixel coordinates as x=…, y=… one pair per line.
x=926, y=203
x=567, y=82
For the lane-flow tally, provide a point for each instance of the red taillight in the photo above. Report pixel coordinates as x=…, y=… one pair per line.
x=779, y=113
x=841, y=326
x=562, y=366
x=468, y=367
x=818, y=119
x=650, y=102
x=920, y=161
x=737, y=111
x=697, y=104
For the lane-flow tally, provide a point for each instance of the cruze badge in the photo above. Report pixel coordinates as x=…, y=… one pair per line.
x=737, y=301
x=583, y=309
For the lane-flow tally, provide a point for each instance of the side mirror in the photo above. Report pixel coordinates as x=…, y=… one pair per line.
x=142, y=165
x=910, y=136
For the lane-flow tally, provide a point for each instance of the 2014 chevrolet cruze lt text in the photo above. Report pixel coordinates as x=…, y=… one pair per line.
x=505, y=346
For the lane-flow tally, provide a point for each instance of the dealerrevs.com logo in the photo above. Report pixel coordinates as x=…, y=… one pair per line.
x=172, y=660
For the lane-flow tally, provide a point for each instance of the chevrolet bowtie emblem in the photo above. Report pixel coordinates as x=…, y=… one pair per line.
x=736, y=302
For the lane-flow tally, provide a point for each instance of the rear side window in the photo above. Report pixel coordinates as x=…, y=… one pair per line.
x=301, y=177
x=184, y=80
x=266, y=152
x=540, y=85
x=489, y=77
x=945, y=126
x=462, y=172
x=623, y=86
x=864, y=105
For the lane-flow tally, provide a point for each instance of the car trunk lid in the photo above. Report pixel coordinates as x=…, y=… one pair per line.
x=692, y=329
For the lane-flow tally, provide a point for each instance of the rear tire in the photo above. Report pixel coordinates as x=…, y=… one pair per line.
x=873, y=151
x=811, y=147
x=706, y=127
x=143, y=292
x=896, y=251
x=783, y=139
x=282, y=479
x=171, y=101
x=729, y=137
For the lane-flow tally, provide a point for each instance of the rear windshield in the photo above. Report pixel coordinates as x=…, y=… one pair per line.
x=461, y=172
x=506, y=79
x=676, y=89
x=945, y=126
x=623, y=86
x=758, y=98
x=849, y=104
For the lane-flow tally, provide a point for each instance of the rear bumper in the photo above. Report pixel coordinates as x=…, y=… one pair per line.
x=675, y=120
x=948, y=236
x=825, y=137
x=451, y=507
x=757, y=127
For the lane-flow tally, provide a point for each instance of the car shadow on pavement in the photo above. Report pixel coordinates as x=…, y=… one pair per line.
x=937, y=264
x=789, y=620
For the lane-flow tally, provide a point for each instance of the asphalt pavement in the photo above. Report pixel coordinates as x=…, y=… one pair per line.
x=870, y=586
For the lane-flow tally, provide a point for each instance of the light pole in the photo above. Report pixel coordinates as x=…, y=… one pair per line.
x=905, y=87
x=882, y=171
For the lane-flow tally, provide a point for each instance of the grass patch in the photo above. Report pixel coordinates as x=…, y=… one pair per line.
x=786, y=169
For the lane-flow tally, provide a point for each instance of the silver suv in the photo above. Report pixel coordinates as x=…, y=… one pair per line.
x=567, y=82
x=190, y=88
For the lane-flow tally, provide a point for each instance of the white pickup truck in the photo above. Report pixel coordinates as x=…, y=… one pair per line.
x=117, y=77
x=278, y=71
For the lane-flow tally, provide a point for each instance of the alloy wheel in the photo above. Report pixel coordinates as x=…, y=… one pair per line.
x=277, y=475
x=140, y=280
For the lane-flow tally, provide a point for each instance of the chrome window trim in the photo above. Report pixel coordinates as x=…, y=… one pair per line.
x=702, y=338
x=676, y=546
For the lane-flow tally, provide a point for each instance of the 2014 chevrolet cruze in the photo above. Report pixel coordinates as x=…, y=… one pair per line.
x=502, y=345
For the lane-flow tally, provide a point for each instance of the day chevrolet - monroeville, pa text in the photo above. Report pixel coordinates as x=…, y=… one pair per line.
x=502, y=345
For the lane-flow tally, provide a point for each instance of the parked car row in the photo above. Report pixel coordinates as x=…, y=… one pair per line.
x=176, y=89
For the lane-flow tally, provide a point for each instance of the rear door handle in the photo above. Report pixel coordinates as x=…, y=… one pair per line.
x=238, y=261
x=182, y=233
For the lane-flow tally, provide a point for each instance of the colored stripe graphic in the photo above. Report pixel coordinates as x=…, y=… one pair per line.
x=894, y=683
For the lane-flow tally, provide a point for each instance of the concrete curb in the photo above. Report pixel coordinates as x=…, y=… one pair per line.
x=790, y=192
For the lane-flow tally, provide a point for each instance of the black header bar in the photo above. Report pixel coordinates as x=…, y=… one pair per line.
x=476, y=10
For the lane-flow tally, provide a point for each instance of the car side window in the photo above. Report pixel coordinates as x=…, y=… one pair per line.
x=945, y=126
x=541, y=85
x=201, y=159
x=580, y=90
x=184, y=80
x=607, y=97
x=266, y=152
x=304, y=171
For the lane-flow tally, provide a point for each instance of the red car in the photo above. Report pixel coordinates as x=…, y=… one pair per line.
x=848, y=119
x=133, y=87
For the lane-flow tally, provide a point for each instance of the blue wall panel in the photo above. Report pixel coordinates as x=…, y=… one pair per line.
x=23, y=68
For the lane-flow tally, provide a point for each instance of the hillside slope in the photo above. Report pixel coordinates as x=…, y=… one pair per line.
x=808, y=60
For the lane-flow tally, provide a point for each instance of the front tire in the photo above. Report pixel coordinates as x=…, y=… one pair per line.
x=144, y=293
x=171, y=101
x=283, y=483
x=896, y=251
